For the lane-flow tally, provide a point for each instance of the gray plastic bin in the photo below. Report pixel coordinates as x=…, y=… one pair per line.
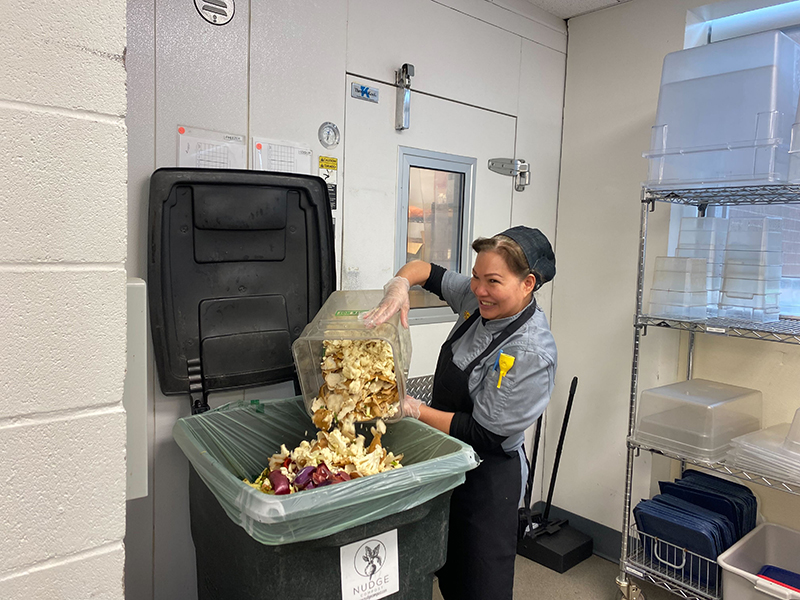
x=767, y=544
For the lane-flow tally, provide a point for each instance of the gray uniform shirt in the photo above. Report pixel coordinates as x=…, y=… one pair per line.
x=525, y=390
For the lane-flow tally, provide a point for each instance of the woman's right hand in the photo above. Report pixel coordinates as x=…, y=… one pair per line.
x=395, y=298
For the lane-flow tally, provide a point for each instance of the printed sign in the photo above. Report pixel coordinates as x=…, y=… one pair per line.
x=328, y=162
x=370, y=568
x=364, y=92
x=328, y=171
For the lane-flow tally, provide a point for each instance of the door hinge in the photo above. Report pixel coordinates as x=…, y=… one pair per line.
x=513, y=167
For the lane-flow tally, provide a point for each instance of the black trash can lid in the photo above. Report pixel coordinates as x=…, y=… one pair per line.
x=239, y=262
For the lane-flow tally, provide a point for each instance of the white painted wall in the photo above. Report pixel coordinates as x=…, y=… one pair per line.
x=613, y=72
x=278, y=71
x=62, y=289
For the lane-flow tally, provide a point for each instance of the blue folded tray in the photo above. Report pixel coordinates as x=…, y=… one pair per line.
x=691, y=522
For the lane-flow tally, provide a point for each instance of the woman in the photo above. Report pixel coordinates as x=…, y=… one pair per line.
x=493, y=379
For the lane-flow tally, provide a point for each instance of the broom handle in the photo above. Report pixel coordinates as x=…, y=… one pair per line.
x=532, y=465
x=573, y=386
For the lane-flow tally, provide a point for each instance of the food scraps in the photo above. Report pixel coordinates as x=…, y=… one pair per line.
x=330, y=458
x=360, y=385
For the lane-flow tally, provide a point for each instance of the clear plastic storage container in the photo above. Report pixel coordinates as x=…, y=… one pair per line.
x=761, y=234
x=680, y=274
x=705, y=237
x=338, y=319
x=715, y=256
x=751, y=287
x=696, y=418
x=679, y=288
x=754, y=257
x=760, y=308
x=701, y=137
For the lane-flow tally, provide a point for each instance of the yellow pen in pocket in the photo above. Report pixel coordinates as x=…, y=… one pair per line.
x=504, y=362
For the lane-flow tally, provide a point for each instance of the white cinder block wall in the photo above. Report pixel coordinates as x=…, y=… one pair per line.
x=62, y=299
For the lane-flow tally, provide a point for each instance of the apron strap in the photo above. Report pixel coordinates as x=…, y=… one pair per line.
x=504, y=335
x=465, y=326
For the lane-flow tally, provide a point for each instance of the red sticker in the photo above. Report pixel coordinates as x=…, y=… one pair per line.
x=258, y=146
x=181, y=130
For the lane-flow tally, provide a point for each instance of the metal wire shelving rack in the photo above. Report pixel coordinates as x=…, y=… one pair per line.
x=635, y=559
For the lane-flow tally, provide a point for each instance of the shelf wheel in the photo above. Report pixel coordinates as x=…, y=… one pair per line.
x=628, y=590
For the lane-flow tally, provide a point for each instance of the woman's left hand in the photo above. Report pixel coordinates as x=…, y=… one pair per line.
x=395, y=299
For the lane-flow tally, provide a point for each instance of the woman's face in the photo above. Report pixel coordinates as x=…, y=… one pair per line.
x=499, y=291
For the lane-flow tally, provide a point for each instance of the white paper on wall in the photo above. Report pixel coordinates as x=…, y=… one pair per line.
x=211, y=149
x=276, y=155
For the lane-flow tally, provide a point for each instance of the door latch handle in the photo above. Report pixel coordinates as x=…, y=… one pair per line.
x=402, y=78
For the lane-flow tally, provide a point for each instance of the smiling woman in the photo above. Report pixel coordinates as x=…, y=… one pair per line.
x=493, y=380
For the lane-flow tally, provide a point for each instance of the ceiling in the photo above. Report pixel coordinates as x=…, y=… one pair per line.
x=567, y=9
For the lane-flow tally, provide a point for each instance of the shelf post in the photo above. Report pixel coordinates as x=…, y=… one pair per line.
x=630, y=590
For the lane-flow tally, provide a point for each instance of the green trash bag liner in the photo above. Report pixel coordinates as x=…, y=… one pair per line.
x=235, y=441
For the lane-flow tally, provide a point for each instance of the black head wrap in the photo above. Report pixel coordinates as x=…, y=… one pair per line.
x=537, y=250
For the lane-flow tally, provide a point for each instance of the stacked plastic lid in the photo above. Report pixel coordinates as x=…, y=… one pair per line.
x=679, y=288
x=705, y=237
x=774, y=451
x=751, y=282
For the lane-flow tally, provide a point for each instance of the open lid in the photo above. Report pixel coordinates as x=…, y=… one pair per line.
x=238, y=263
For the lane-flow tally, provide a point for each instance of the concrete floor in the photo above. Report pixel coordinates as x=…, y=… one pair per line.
x=593, y=579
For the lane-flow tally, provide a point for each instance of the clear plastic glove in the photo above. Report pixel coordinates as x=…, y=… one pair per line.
x=395, y=298
x=411, y=407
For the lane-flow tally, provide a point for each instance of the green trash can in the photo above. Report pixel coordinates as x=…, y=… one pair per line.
x=381, y=536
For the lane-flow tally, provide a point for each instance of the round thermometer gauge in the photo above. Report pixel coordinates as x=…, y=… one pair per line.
x=329, y=134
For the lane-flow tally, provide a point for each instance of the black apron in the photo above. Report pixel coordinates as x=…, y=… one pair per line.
x=482, y=540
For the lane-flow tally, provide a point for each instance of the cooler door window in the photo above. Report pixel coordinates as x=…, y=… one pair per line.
x=435, y=201
x=435, y=208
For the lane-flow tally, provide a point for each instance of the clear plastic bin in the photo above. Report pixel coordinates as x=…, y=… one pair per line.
x=743, y=271
x=709, y=255
x=748, y=313
x=763, y=234
x=767, y=544
x=696, y=238
x=338, y=319
x=790, y=297
x=749, y=288
x=753, y=257
x=679, y=288
x=760, y=308
x=687, y=299
x=701, y=138
x=696, y=418
x=716, y=224
x=677, y=274
x=678, y=311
